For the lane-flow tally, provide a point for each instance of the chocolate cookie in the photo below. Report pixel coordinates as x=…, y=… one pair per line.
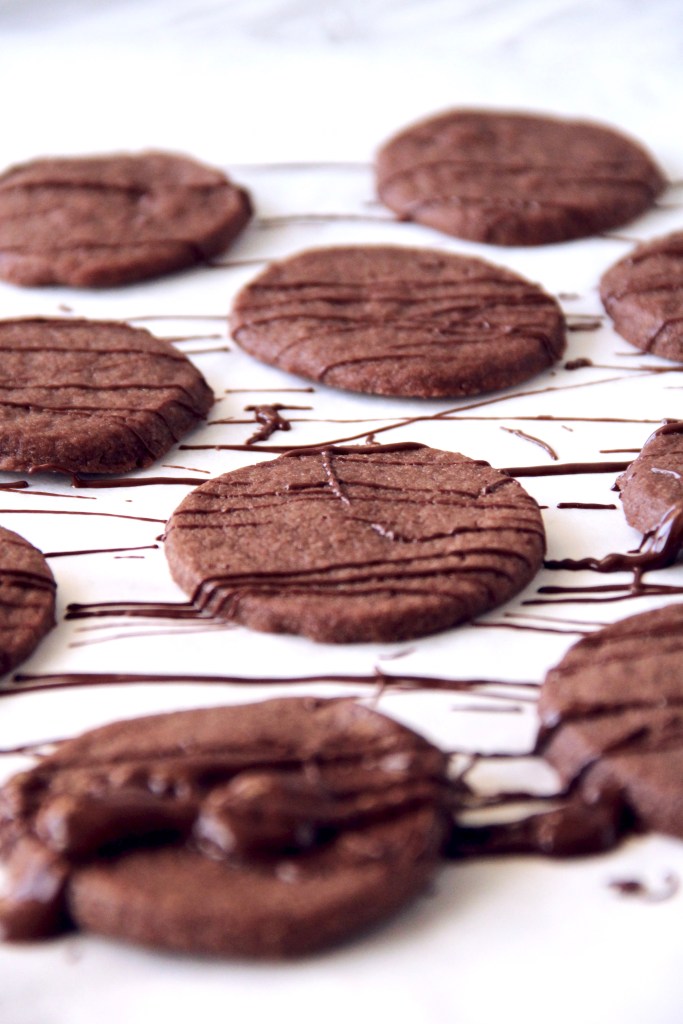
x=27, y=599
x=515, y=179
x=108, y=220
x=652, y=486
x=395, y=321
x=265, y=830
x=82, y=396
x=652, y=495
x=356, y=544
x=643, y=294
x=612, y=717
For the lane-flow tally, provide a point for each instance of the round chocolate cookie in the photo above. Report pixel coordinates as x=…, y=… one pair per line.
x=27, y=599
x=396, y=321
x=83, y=396
x=612, y=717
x=515, y=179
x=107, y=220
x=356, y=544
x=652, y=486
x=643, y=294
x=264, y=830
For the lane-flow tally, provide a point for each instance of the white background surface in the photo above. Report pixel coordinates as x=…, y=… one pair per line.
x=247, y=86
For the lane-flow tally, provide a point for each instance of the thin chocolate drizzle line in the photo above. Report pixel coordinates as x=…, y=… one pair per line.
x=566, y=469
x=149, y=481
x=73, y=512
x=534, y=440
x=135, y=609
x=191, y=469
x=210, y=626
x=529, y=629
x=617, y=593
x=585, y=325
x=24, y=578
x=593, y=505
x=278, y=221
x=251, y=391
x=19, y=485
x=98, y=551
x=179, y=338
x=62, y=680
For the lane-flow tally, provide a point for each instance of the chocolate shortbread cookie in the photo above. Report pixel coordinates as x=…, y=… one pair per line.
x=612, y=717
x=652, y=492
x=83, y=396
x=397, y=321
x=652, y=486
x=262, y=830
x=27, y=599
x=515, y=179
x=643, y=294
x=356, y=544
x=107, y=220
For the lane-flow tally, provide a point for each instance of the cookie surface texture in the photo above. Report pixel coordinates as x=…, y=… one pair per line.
x=652, y=487
x=356, y=544
x=399, y=321
x=612, y=714
x=109, y=220
x=261, y=830
x=515, y=179
x=643, y=294
x=27, y=599
x=83, y=396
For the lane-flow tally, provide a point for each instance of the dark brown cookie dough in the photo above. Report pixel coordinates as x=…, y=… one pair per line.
x=612, y=717
x=27, y=599
x=398, y=321
x=84, y=396
x=108, y=220
x=356, y=544
x=643, y=294
x=264, y=830
x=515, y=179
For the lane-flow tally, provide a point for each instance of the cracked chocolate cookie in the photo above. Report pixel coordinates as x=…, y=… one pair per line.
x=372, y=543
x=109, y=220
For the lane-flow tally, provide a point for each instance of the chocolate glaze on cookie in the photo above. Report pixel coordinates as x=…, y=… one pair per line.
x=612, y=717
x=643, y=294
x=398, y=321
x=82, y=396
x=356, y=544
x=264, y=830
x=515, y=179
x=108, y=220
x=27, y=599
